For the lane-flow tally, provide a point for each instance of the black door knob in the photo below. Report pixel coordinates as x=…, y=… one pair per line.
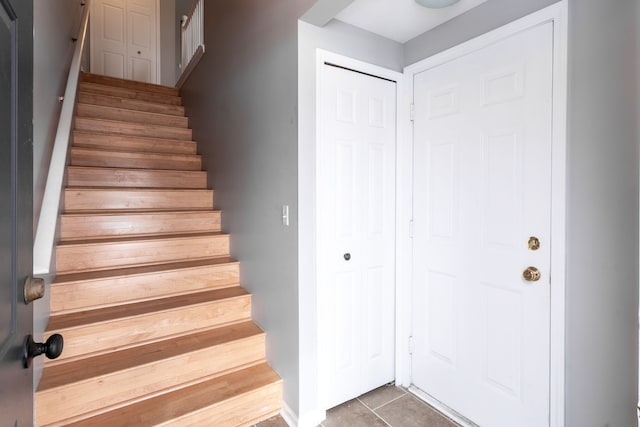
x=52, y=349
x=347, y=256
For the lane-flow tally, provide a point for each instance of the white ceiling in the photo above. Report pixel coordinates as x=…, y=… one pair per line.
x=400, y=20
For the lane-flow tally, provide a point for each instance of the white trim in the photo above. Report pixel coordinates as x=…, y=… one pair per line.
x=323, y=56
x=556, y=13
x=310, y=419
x=158, y=47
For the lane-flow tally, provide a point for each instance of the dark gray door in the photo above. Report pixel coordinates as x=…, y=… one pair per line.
x=16, y=211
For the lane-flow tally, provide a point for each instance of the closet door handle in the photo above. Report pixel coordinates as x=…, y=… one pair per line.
x=347, y=256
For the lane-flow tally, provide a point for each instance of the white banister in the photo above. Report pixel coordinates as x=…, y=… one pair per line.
x=44, y=241
x=192, y=40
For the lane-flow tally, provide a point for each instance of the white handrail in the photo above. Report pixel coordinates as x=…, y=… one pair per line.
x=192, y=40
x=44, y=241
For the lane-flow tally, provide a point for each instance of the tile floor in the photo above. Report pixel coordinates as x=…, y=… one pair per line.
x=383, y=407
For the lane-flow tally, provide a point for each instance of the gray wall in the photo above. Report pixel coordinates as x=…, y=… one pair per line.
x=242, y=104
x=55, y=23
x=355, y=43
x=602, y=245
x=602, y=235
x=168, y=24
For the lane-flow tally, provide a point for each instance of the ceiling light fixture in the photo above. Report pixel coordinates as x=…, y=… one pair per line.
x=436, y=4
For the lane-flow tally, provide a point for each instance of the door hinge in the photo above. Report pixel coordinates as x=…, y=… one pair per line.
x=410, y=344
x=412, y=112
x=411, y=229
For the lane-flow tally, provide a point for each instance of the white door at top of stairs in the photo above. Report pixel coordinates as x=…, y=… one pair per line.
x=124, y=39
x=482, y=231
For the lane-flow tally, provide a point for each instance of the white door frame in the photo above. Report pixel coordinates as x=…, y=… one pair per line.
x=557, y=14
x=323, y=56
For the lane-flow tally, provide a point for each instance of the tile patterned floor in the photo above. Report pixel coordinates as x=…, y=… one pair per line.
x=387, y=406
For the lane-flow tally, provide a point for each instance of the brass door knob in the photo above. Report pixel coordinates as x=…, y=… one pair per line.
x=531, y=274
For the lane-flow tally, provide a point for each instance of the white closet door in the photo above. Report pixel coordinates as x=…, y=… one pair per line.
x=124, y=39
x=356, y=232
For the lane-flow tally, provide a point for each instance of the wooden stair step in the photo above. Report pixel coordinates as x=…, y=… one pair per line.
x=127, y=93
x=92, y=225
x=131, y=251
x=105, y=330
x=123, y=159
x=130, y=104
x=128, y=84
x=130, y=143
x=133, y=116
x=103, y=288
x=241, y=398
x=88, y=176
x=72, y=389
x=90, y=199
x=131, y=129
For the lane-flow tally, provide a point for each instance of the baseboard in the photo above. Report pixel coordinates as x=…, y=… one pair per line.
x=309, y=419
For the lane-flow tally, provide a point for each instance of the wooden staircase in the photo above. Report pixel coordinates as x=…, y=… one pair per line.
x=157, y=329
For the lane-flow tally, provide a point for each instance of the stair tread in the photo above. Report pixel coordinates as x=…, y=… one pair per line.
x=109, y=109
x=186, y=400
x=135, y=170
x=141, y=212
x=125, y=239
x=96, y=366
x=132, y=104
x=128, y=177
x=125, y=83
x=106, y=314
x=121, y=123
x=104, y=138
x=130, y=93
x=144, y=154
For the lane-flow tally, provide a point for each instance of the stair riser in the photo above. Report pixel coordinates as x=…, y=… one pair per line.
x=132, y=144
x=114, y=159
x=110, y=113
x=98, y=226
x=95, y=199
x=130, y=94
x=240, y=411
x=135, y=178
x=90, y=395
x=132, y=129
x=84, y=295
x=99, y=256
x=122, y=333
x=128, y=84
x=130, y=104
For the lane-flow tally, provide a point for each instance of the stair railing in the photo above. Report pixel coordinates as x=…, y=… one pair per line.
x=192, y=40
x=44, y=241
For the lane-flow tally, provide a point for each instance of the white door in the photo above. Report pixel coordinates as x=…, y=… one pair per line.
x=356, y=232
x=124, y=38
x=482, y=190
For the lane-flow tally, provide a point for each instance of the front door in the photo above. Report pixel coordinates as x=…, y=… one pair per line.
x=16, y=318
x=482, y=208
x=123, y=39
x=356, y=232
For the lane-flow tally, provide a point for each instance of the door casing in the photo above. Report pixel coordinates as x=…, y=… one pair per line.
x=557, y=14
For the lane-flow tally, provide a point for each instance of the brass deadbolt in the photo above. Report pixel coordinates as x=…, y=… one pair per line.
x=531, y=274
x=33, y=289
x=534, y=243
